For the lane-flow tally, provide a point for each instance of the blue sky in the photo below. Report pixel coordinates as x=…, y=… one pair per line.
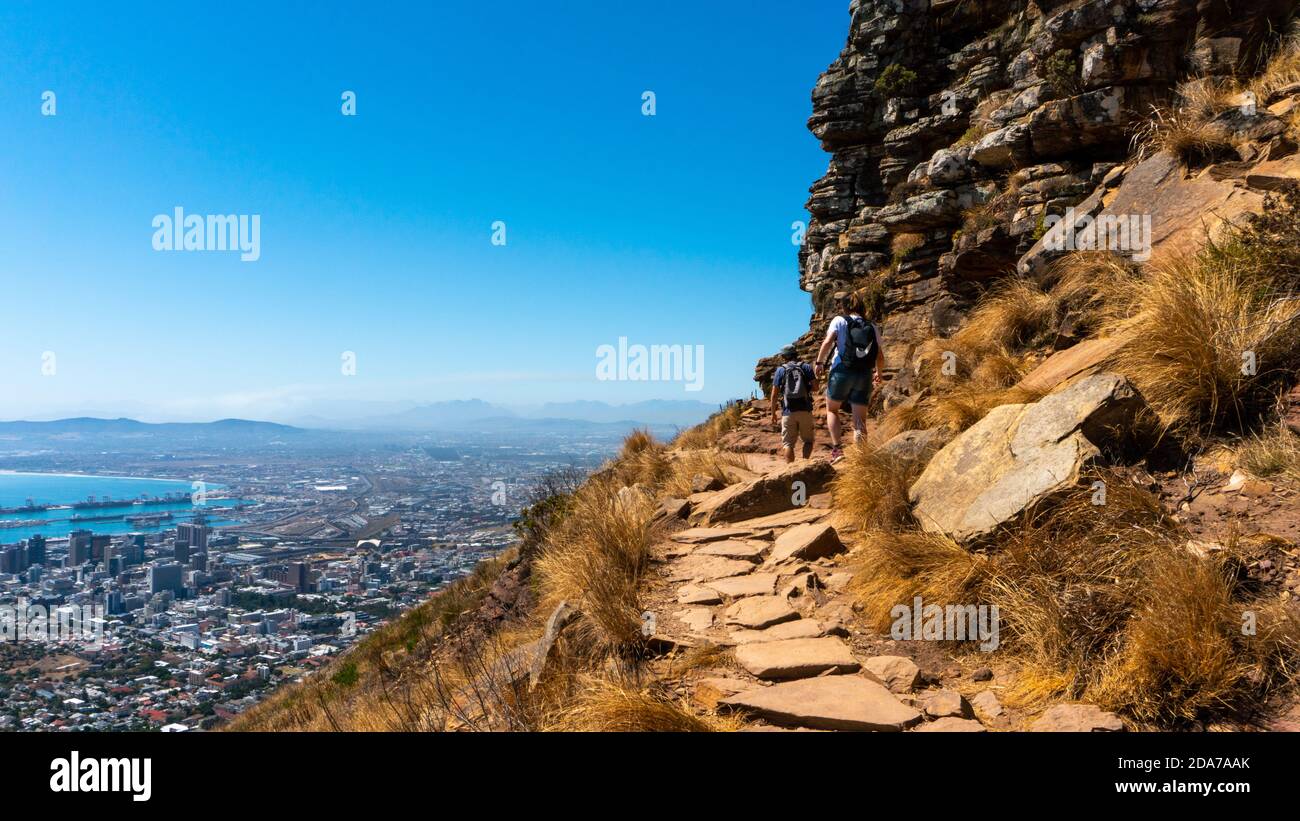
x=376, y=229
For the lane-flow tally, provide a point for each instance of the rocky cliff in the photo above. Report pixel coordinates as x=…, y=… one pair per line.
x=958, y=129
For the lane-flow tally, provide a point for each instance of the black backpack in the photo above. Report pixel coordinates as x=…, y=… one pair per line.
x=796, y=383
x=860, y=349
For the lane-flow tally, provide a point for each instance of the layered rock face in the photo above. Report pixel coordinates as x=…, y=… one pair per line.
x=956, y=128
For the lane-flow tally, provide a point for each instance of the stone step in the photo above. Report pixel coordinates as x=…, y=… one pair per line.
x=754, y=584
x=796, y=658
x=827, y=703
x=758, y=612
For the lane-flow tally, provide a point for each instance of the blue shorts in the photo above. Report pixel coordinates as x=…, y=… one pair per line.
x=848, y=386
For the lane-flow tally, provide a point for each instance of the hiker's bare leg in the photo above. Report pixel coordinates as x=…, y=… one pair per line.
x=833, y=421
x=859, y=422
x=788, y=451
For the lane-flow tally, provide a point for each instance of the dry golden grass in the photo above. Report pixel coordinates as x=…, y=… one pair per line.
x=1186, y=130
x=893, y=567
x=594, y=560
x=685, y=465
x=707, y=433
x=1282, y=70
x=1275, y=452
x=1189, y=326
x=900, y=245
x=870, y=492
x=1101, y=603
x=610, y=706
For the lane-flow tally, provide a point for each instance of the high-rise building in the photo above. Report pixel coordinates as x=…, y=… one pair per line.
x=78, y=548
x=36, y=550
x=193, y=536
x=165, y=577
x=98, y=544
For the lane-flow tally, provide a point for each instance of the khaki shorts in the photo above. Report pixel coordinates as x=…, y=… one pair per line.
x=796, y=425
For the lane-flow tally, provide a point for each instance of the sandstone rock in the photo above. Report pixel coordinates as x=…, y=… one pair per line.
x=798, y=629
x=1077, y=718
x=779, y=521
x=695, y=618
x=694, y=594
x=914, y=445
x=772, y=493
x=982, y=674
x=706, y=568
x=673, y=509
x=754, y=584
x=704, y=483
x=1084, y=358
x=950, y=724
x=1019, y=455
x=898, y=673
x=986, y=705
x=827, y=703
x=796, y=658
x=734, y=549
x=946, y=704
x=757, y=612
x=1001, y=148
x=700, y=535
x=810, y=541
x=560, y=617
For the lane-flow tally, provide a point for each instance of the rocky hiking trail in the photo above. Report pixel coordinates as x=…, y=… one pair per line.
x=755, y=586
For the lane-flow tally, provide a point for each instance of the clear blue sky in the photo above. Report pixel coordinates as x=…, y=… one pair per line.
x=375, y=229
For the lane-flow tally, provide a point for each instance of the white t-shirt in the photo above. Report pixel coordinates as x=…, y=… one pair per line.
x=840, y=327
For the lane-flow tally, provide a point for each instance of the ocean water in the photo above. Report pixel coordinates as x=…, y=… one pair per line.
x=65, y=489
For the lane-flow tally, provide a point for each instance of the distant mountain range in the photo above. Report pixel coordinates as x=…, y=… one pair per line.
x=475, y=413
x=457, y=415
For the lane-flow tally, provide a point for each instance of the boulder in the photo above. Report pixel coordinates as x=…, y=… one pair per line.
x=898, y=673
x=828, y=703
x=1084, y=358
x=1077, y=718
x=947, y=704
x=808, y=542
x=796, y=658
x=757, y=612
x=671, y=509
x=772, y=493
x=1020, y=455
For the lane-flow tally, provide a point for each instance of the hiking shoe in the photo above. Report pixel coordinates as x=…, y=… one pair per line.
x=837, y=453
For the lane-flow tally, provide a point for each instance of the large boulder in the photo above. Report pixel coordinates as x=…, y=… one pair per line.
x=772, y=493
x=1019, y=455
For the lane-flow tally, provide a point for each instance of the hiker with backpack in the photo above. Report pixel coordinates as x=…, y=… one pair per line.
x=857, y=366
x=793, y=387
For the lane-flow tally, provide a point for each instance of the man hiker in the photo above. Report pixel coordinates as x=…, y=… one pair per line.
x=792, y=392
x=857, y=366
